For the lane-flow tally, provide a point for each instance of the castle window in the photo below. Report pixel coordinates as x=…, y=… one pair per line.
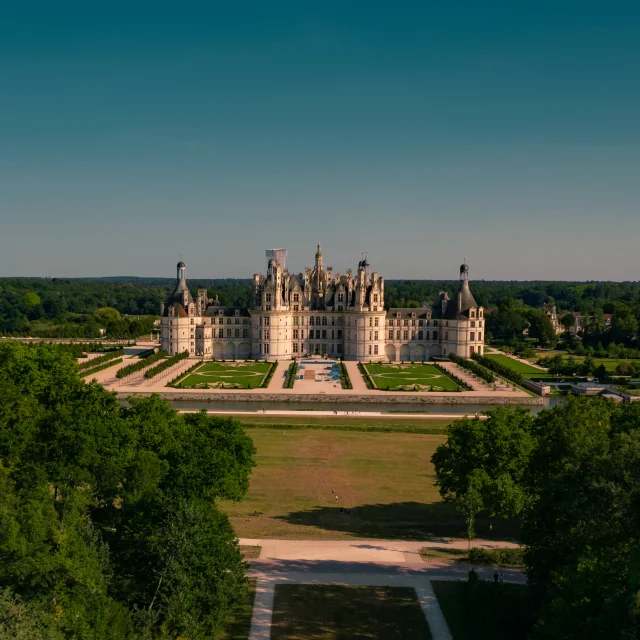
x=324, y=321
x=421, y=323
x=311, y=321
x=413, y=335
x=435, y=335
x=472, y=336
x=479, y=336
x=296, y=297
x=480, y=313
x=237, y=333
x=405, y=334
x=191, y=320
x=228, y=320
x=295, y=347
x=228, y=333
x=435, y=323
x=420, y=335
x=333, y=334
x=266, y=334
x=245, y=333
x=446, y=324
x=267, y=297
x=324, y=334
x=369, y=349
x=390, y=334
x=339, y=334
x=370, y=321
x=339, y=348
x=406, y=323
x=266, y=321
x=339, y=307
x=295, y=334
x=301, y=334
x=473, y=315
x=375, y=335
x=398, y=334
x=473, y=323
x=375, y=322
x=220, y=333
x=428, y=335
x=265, y=349
x=295, y=307
x=333, y=321
x=296, y=321
x=375, y=297
x=375, y=349
x=370, y=335
x=413, y=323
x=237, y=320
x=446, y=335
x=471, y=349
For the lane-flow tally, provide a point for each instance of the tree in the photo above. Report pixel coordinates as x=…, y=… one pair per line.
x=481, y=465
x=542, y=329
x=568, y=321
x=108, y=523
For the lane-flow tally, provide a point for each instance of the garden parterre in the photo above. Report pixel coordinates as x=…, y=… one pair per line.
x=410, y=377
x=226, y=375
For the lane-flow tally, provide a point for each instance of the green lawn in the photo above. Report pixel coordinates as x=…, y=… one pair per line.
x=406, y=377
x=327, y=612
x=486, y=611
x=521, y=367
x=226, y=375
x=386, y=480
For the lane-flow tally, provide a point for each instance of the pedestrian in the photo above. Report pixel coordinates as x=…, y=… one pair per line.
x=495, y=577
x=502, y=578
x=333, y=490
x=336, y=498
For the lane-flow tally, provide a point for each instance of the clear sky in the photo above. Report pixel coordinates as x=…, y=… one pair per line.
x=133, y=133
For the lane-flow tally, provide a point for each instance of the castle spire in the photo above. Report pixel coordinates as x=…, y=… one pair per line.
x=319, y=258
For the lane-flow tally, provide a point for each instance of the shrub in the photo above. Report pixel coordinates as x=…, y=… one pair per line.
x=141, y=364
x=165, y=364
x=365, y=374
x=502, y=556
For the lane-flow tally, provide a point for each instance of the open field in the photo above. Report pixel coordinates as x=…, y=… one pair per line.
x=315, y=612
x=610, y=364
x=385, y=480
x=226, y=375
x=403, y=377
x=489, y=612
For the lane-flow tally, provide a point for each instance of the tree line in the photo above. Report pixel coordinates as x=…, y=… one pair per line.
x=571, y=475
x=108, y=520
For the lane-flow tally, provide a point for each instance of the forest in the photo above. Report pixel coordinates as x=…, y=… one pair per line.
x=80, y=307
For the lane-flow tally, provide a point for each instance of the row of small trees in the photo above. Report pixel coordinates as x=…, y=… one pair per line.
x=94, y=362
x=473, y=367
x=501, y=369
x=141, y=364
x=164, y=364
x=291, y=375
x=345, y=380
x=106, y=365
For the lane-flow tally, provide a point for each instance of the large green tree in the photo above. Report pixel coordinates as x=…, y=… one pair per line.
x=108, y=522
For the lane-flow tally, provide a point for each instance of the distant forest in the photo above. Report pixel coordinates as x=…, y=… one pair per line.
x=80, y=307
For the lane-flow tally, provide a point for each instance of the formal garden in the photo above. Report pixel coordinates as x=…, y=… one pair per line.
x=410, y=377
x=226, y=375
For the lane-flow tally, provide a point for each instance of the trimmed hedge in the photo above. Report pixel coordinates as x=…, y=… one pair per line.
x=291, y=375
x=165, y=364
x=473, y=367
x=183, y=374
x=100, y=368
x=267, y=379
x=345, y=381
x=141, y=364
x=499, y=368
x=94, y=362
x=365, y=374
x=505, y=557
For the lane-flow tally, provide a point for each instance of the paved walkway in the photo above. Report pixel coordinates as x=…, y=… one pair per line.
x=394, y=563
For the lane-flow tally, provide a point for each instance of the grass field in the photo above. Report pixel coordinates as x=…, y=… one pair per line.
x=409, y=377
x=610, y=364
x=487, y=612
x=386, y=480
x=521, y=367
x=226, y=375
x=328, y=612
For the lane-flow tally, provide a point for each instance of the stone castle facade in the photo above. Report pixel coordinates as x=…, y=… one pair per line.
x=320, y=312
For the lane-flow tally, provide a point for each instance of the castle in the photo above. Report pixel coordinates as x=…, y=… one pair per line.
x=320, y=312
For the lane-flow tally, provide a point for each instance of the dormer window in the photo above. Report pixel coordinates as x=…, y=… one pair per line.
x=237, y=311
x=267, y=297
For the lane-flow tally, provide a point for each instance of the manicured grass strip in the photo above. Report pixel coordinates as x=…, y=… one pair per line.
x=520, y=367
x=501, y=557
x=485, y=611
x=332, y=612
x=404, y=377
x=240, y=625
x=140, y=364
x=106, y=365
x=345, y=380
x=94, y=362
x=291, y=375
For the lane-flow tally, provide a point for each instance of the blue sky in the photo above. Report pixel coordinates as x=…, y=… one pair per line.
x=419, y=132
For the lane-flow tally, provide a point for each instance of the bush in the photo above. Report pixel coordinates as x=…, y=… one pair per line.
x=165, y=364
x=473, y=367
x=505, y=557
x=94, y=362
x=88, y=372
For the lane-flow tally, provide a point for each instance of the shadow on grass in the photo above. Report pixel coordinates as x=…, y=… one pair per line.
x=400, y=520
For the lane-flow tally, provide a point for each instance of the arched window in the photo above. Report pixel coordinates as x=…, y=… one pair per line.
x=311, y=320
x=324, y=321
